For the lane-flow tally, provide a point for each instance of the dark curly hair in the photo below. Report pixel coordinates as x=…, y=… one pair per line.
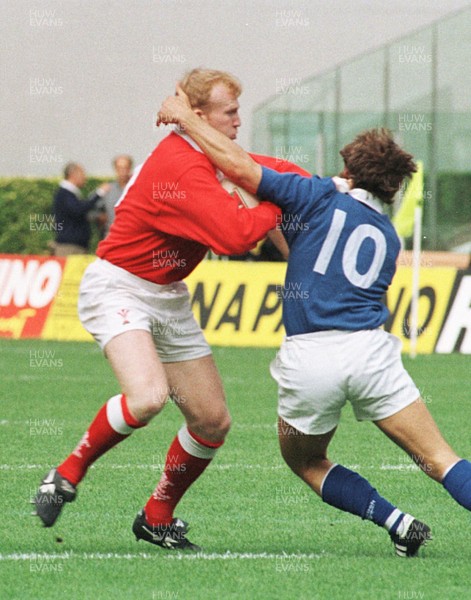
x=377, y=164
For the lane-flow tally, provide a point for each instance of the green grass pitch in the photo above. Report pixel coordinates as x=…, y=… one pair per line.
x=265, y=535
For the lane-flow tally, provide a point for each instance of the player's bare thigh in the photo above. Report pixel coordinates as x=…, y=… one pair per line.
x=197, y=389
x=140, y=373
x=414, y=430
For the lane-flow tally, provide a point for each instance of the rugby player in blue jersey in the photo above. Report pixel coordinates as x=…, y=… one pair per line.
x=343, y=260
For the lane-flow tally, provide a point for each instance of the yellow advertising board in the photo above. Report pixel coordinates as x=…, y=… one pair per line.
x=435, y=287
x=63, y=322
x=236, y=303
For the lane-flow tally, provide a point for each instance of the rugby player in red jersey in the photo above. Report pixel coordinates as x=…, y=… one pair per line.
x=135, y=304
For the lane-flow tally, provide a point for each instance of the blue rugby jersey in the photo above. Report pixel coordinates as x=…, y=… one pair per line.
x=343, y=254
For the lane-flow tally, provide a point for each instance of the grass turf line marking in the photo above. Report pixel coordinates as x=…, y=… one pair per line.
x=220, y=467
x=17, y=556
x=152, y=467
x=21, y=467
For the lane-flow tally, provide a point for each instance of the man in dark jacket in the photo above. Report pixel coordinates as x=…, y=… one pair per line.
x=70, y=211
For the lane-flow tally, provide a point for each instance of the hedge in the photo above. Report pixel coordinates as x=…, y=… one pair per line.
x=25, y=214
x=25, y=207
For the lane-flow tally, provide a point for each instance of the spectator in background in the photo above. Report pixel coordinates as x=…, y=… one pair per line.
x=123, y=165
x=71, y=212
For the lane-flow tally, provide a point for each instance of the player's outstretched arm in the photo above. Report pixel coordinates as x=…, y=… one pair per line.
x=233, y=161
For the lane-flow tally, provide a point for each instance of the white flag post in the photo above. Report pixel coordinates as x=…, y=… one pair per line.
x=416, y=255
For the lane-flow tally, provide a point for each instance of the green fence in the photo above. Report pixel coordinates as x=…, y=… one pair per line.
x=419, y=87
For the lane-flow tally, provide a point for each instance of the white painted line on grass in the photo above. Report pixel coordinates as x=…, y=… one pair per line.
x=18, y=556
x=150, y=466
x=245, y=556
x=402, y=467
x=218, y=466
x=21, y=467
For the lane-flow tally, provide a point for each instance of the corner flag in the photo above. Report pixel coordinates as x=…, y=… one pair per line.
x=408, y=221
x=403, y=220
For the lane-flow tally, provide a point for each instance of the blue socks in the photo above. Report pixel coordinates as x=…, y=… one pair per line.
x=350, y=492
x=457, y=483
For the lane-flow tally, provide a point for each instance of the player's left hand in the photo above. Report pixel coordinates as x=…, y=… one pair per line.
x=174, y=108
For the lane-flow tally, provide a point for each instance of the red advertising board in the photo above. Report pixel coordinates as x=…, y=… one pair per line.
x=28, y=287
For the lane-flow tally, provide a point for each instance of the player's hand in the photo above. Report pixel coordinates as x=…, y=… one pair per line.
x=343, y=185
x=174, y=109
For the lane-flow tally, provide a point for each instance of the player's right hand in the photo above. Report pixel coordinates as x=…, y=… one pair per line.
x=342, y=185
x=174, y=109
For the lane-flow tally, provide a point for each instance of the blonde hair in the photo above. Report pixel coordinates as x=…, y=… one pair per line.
x=198, y=84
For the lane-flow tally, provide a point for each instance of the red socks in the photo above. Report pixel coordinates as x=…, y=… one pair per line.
x=187, y=458
x=112, y=424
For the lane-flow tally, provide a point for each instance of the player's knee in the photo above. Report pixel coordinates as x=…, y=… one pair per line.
x=302, y=464
x=219, y=426
x=225, y=425
x=294, y=461
x=147, y=402
x=215, y=427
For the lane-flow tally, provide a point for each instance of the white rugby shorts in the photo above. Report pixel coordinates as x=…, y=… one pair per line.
x=113, y=301
x=318, y=372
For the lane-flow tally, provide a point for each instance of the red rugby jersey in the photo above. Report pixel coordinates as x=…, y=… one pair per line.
x=174, y=209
